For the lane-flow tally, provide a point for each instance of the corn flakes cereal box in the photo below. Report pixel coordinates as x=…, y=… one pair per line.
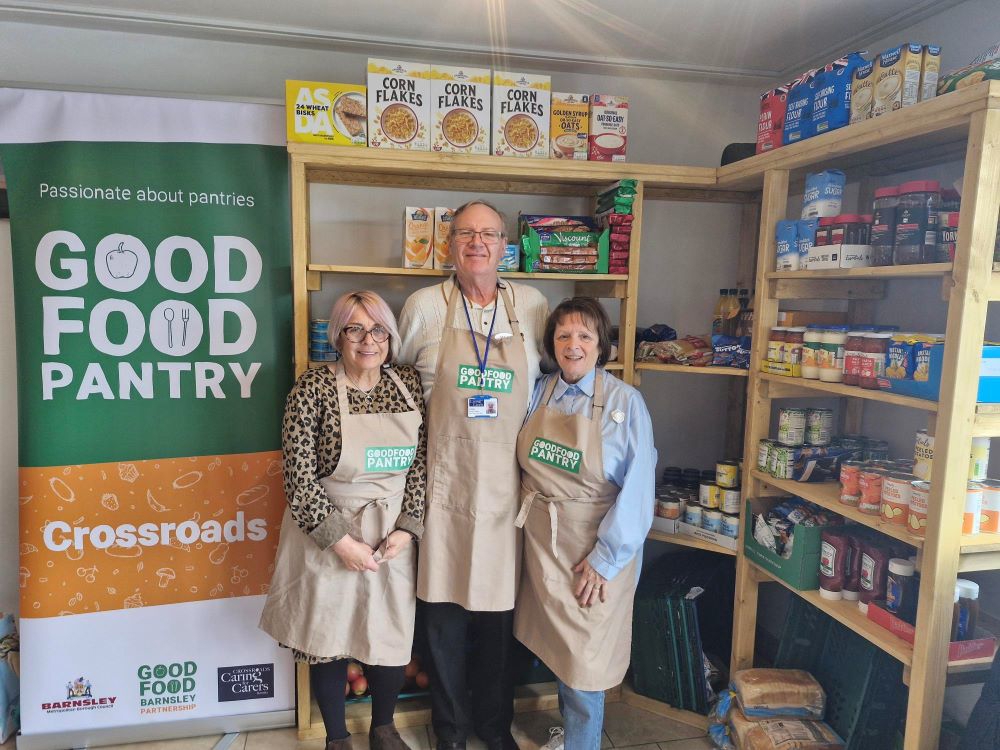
x=608, y=127
x=418, y=237
x=399, y=98
x=442, y=229
x=897, y=78
x=460, y=110
x=930, y=71
x=521, y=104
x=331, y=113
x=570, y=126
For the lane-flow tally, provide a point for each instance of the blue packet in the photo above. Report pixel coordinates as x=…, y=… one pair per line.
x=798, y=110
x=831, y=107
x=787, y=252
x=805, y=238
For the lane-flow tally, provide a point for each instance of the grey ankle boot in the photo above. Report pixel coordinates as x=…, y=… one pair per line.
x=386, y=737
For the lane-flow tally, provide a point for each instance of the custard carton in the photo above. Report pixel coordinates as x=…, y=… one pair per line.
x=930, y=71
x=897, y=78
x=608, y=127
x=460, y=110
x=418, y=237
x=399, y=98
x=332, y=113
x=570, y=126
x=863, y=92
x=521, y=112
x=443, y=218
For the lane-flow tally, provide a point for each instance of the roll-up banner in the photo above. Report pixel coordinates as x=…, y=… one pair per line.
x=152, y=308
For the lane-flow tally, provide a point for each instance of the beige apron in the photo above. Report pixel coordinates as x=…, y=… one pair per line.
x=315, y=604
x=470, y=551
x=562, y=509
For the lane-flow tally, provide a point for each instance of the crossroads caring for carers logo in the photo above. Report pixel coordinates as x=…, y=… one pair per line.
x=246, y=682
x=80, y=697
x=494, y=379
x=547, y=452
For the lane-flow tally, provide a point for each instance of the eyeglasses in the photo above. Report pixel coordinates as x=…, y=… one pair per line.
x=488, y=236
x=357, y=334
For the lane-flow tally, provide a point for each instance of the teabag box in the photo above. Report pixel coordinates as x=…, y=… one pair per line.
x=460, y=110
x=863, y=92
x=608, y=127
x=399, y=99
x=521, y=114
x=897, y=78
x=771, y=120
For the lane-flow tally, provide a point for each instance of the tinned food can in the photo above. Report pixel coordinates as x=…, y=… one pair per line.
x=989, y=514
x=763, y=454
x=850, y=475
x=727, y=474
x=730, y=526
x=708, y=495
x=971, y=518
x=792, y=427
x=870, y=484
x=916, y=519
x=897, y=490
x=819, y=426
x=923, y=455
x=730, y=500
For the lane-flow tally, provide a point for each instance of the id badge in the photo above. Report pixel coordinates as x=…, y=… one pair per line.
x=483, y=407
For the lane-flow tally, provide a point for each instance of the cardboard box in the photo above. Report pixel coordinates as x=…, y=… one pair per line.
x=442, y=229
x=897, y=78
x=801, y=570
x=608, y=127
x=931, y=358
x=521, y=114
x=838, y=256
x=570, y=126
x=863, y=92
x=706, y=536
x=418, y=237
x=789, y=318
x=982, y=647
x=399, y=98
x=930, y=71
x=332, y=113
x=666, y=525
x=460, y=110
x=511, y=259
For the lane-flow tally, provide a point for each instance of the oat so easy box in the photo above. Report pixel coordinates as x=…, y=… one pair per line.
x=608, y=127
x=460, y=110
x=521, y=114
x=418, y=237
x=570, y=126
x=442, y=236
x=399, y=99
x=331, y=113
x=897, y=78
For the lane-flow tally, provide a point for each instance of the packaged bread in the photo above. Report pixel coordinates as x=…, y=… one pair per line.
x=782, y=734
x=773, y=693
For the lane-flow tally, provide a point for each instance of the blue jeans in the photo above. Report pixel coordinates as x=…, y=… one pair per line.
x=583, y=717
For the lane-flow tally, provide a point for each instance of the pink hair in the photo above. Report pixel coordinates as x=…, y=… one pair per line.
x=377, y=310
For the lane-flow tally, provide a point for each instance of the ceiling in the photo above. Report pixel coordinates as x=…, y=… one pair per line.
x=741, y=39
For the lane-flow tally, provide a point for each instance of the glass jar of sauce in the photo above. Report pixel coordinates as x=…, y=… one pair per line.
x=917, y=222
x=875, y=349
x=853, y=354
x=794, y=340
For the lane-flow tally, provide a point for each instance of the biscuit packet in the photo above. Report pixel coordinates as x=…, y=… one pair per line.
x=985, y=67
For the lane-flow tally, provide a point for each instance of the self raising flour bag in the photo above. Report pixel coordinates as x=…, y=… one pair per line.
x=798, y=109
x=521, y=114
x=863, y=92
x=460, y=110
x=771, y=121
x=897, y=78
x=824, y=194
x=608, y=127
x=831, y=108
x=399, y=98
x=333, y=113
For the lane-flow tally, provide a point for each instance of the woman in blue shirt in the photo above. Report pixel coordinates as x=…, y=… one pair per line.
x=587, y=487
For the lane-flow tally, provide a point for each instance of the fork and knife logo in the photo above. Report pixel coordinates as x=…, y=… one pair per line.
x=168, y=315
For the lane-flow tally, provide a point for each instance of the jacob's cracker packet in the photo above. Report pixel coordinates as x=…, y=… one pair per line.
x=333, y=113
x=460, y=110
x=570, y=126
x=399, y=96
x=442, y=235
x=418, y=237
x=521, y=114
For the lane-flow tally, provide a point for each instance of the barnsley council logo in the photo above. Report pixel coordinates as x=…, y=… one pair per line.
x=80, y=697
x=167, y=688
x=246, y=682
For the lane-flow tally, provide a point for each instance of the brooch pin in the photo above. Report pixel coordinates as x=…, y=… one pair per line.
x=618, y=416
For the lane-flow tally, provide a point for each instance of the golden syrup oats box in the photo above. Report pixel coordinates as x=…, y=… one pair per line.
x=399, y=99
x=521, y=104
x=460, y=110
x=332, y=113
x=897, y=78
x=570, y=126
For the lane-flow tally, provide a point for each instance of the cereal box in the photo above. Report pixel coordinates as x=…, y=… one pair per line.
x=521, y=105
x=897, y=78
x=771, y=119
x=418, y=237
x=333, y=113
x=460, y=110
x=608, y=127
x=930, y=71
x=570, y=126
x=399, y=99
x=862, y=92
x=442, y=228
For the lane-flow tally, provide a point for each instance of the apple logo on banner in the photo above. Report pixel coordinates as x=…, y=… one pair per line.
x=121, y=262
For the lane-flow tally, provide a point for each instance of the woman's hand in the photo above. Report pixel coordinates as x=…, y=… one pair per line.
x=395, y=543
x=590, y=585
x=357, y=556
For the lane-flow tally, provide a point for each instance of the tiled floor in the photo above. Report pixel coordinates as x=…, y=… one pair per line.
x=624, y=727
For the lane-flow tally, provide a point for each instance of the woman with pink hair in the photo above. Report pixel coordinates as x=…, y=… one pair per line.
x=355, y=453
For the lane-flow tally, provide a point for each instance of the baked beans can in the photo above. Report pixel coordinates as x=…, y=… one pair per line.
x=730, y=500
x=784, y=459
x=916, y=519
x=730, y=526
x=727, y=474
x=897, y=489
x=870, y=484
x=763, y=454
x=980, y=459
x=792, y=427
x=819, y=426
x=850, y=490
x=973, y=508
x=923, y=455
x=708, y=495
x=989, y=515
x=711, y=520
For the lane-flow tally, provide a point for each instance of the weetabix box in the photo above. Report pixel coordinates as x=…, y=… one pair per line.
x=570, y=126
x=460, y=110
x=608, y=127
x=332, y=113
x=399, y=99
x=897, y=78
x=521, y=104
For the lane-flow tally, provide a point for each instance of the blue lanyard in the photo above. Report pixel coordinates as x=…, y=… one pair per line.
x=481, y=362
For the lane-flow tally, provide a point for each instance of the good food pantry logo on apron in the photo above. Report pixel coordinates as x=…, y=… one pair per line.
x=390, y=458
x=556, y=455
x=493, y=379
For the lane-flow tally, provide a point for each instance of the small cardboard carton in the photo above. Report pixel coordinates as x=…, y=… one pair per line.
x=399, y=98
x=897, y=78
x=332, y=113
x=418, y=237
x=521, y=114
x=460, y=110
x=570, y=126
x=442, y=231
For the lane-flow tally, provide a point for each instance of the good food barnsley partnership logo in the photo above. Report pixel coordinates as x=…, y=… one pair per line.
x=80, y=697
x=246, y=682
x=166, y=688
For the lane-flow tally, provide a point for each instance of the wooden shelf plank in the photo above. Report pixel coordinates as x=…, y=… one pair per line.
x=827, y=495
x=868, y=272
x=788, y=387
x=440, y=273
x=688, y=541
x=847, y=613
x=689, y=370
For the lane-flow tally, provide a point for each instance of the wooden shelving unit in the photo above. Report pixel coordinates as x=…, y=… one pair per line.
x=965, y=124
x=687, y=370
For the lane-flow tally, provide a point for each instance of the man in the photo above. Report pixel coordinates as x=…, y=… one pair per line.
x=476, y=341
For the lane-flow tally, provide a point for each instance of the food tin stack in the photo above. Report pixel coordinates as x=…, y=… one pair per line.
x=320, y=348
x=699, y=499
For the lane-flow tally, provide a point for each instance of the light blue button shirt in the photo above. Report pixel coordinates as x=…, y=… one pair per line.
x=629, y=462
